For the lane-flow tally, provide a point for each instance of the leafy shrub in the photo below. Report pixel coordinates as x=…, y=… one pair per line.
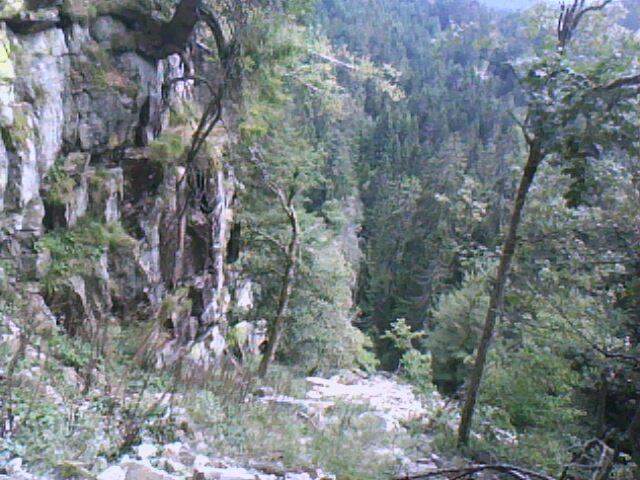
x=321, y=336
x=534, y=387
x=59, y=184
x=413, y=363
x=457, y=322
x=74, y=251
x=48, y=433
x=71, y=352
x=168, y=148
x=342, y=444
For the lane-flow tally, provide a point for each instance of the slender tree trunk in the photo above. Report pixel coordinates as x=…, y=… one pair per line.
x=288, y=279
x=495, y=300
x=633, y=433
x=601, y=412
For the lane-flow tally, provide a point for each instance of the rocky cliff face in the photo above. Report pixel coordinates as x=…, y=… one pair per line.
x=90, y=224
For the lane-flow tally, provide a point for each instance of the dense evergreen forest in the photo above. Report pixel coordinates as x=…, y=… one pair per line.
x=313, y=239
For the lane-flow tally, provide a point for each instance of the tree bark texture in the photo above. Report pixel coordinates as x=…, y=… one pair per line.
x=497, y=291
x=288, y=279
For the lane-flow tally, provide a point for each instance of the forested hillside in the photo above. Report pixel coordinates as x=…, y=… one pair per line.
x=314, y=239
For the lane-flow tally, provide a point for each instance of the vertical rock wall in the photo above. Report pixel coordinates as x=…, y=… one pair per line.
x=79, y=108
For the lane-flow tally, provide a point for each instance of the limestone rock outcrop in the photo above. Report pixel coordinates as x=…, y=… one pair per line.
x=81, y=108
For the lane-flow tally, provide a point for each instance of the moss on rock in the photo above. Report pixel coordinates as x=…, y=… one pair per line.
x=11, y=8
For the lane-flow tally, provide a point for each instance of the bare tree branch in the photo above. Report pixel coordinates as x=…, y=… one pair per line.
x=211, y=19
x=335, y=61
x=570, y=17
x=460, y=473
x=630, y=81
x=271, y=239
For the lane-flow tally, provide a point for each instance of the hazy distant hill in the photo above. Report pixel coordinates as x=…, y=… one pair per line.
x=633, y=6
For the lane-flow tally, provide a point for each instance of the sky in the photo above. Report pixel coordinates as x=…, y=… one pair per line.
x=509, y=4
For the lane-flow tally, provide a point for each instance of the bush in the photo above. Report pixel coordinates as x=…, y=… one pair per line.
x=457, y=322
x=71, y=352
x=534, y=387
x=320, y=335
x=342, y=443
x=168, y=148
x=48, y=433
x=415, y=365
x=60, y=185
x=74, y=251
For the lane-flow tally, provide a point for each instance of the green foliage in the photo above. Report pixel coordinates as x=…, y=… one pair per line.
x=426, y=161
x=542, y=449
x=290, y=89
x=457, y=322
x=344, y=446
x=47, y=434
x=535, y=388
x=402, y=336
x=564, y=89
x=168, y=148
x=185, y=113
x=15, y=136
x=71, y=352
x=433, y=169
x=415, y=365
x=60, y=185
x=320, y=335
x=75, y=251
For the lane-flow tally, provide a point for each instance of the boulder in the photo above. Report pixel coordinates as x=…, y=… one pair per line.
x=141, y=471
x=172, y=466
x=172, y=451
x=115, y=472
x=14, y=466
x=298, y=476
x=212, y=473
x=200, y=461
x=146, y=450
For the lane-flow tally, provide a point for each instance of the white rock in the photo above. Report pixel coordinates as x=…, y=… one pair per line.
x=200, y=461
x=140, y=471
x=394, y=402
x=206, y=473
x=202, y=446
x=172, y=450
x=297, y=476
x=115, y=472
x=244, y=296
x=146, y=450
x=321, y=475
x=14, y=466
x=172, y=466
x=237, y=474
x=213, y=473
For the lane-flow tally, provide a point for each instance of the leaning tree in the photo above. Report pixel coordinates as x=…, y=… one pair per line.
x=574, y=112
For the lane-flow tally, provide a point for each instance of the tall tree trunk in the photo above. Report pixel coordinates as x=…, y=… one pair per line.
x=497, y=291
x=633, y=433
x=288, y=279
